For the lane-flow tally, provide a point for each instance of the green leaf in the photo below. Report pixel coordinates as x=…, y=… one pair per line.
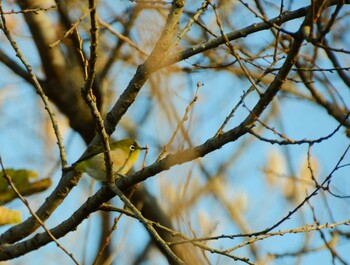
x=21, y=179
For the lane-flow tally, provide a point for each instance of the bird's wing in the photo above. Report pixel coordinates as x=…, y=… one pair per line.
x=92, y=151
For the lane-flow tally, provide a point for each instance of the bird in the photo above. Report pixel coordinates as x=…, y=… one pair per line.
x=124, y=154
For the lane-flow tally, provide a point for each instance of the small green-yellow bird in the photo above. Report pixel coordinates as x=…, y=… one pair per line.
x=124, y=154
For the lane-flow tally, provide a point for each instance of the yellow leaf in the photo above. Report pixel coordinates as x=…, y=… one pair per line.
x=8, y=216
x=275, y=167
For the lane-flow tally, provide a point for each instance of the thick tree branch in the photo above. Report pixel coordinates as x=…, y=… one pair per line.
x=15, y=67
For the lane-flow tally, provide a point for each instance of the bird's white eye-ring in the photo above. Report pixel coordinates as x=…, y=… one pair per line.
x=132, y=147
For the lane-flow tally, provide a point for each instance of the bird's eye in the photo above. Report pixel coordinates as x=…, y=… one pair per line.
x=132, y=147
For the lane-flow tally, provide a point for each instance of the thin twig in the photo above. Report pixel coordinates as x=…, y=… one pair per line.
x=122, y=37
x=240, y=102
x=289, y=141
x=29, y=10
x=71, y=30
x=107, y=239
x=195, y=18
x=323, y=237
x=234, y=52
x=304, y=229
x=180, y=124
